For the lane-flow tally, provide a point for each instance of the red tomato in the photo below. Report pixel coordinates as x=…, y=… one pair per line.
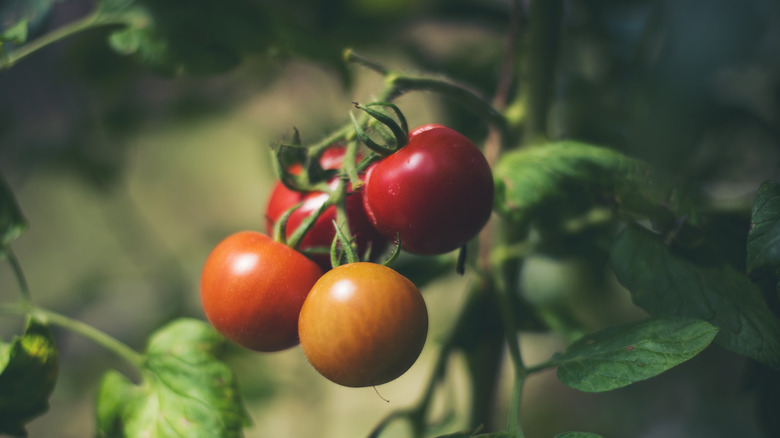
x=252, y=289
x=363, y=324
x=322, y=233
x=436, y=192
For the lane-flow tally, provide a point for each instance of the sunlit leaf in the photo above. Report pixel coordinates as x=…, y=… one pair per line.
x=620, y=355
x=763, y=245
x=571, y=176
x=12, y=222
x=186, y=390
x=20, y=18
x=28, y=374
x=665, y=283
x=16, y=34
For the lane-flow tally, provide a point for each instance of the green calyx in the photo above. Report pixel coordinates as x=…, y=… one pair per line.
x=399, y=129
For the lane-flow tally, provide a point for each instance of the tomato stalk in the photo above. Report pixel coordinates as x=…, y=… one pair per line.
x=95, y=19
x=297, y=236
x=311, y=179
x=545, y=19
x=99, y=337
x=398, y=84
x=343, y=234
x=280, y=227
x=21, y=279
x=539, y=69
x=26, y=307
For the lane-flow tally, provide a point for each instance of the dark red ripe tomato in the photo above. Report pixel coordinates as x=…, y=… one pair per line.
x=436, y=192
x=252, y=290
x=322, y=233
x=363, y=324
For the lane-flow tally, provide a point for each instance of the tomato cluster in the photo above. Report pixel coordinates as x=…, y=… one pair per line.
x=359, y=323
x=322, y=232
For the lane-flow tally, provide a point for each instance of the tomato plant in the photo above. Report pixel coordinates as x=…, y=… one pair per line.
x=252, y=290
x=436, y=192
x=363, y=324
x=321, y=235
x=632, y=247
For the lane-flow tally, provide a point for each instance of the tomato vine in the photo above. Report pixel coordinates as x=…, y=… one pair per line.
x=534, y=197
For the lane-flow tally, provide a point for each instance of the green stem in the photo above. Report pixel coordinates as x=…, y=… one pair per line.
x=399, y=84
x=344, y=133
x=21, y=280
x=351, y=56
x=539, y=74
x=92, y=20
x=101, y=338
x=104, y=340
x=340, y=200
x=510, y=328
x=513, y=426
x=349, y=165
x=308, y=222
x=550, y=363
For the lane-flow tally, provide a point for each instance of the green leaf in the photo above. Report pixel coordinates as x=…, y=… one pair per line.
x=186, y=390
x=19, y=18
x=212, y=37
x=573, y=177
x=16, y=34
x=12, y=222
x=28, y=376
x=763, y=244
x=620, y=355
x=667, y=284
x=577, y=435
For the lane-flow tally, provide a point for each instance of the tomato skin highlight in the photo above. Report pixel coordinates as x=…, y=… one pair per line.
x=252, y=290
x=363, y=324
x=322, y=232
x=436, y=192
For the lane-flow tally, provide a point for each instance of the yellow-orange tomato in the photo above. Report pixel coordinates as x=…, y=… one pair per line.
x=252, y=290
x=363, y=324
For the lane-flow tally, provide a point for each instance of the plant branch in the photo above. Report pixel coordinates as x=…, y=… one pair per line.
x=90, y=21
x=101, y=338
x=21, y=280
x=400, y=84
x=539, y=72
x=513, y=427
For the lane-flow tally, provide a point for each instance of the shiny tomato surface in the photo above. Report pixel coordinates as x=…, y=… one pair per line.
x=252, y=290
x=363, y=324
x=436, y=192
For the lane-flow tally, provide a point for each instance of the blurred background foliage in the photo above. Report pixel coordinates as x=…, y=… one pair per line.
x=132, y=152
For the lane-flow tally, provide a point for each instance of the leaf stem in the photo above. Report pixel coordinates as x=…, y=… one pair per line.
x=92, y=20
x=101, y=338
x=399, y=84
x=351, y=56
x=513, y=426
x=539, y=71
x=21, y=280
